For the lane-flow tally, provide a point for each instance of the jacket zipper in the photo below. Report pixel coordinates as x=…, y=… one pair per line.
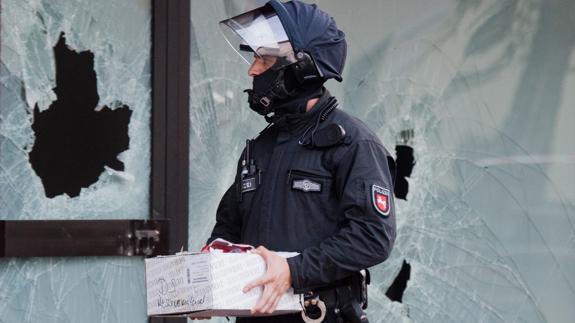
x=305, y=174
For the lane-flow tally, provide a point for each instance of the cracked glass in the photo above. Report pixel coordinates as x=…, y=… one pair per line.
x=484, y=90
x=30, y=30
x=111, y=84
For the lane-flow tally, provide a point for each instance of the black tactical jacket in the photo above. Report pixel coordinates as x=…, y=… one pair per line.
x=320, y=202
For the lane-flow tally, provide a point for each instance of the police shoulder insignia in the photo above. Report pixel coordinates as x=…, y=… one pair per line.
x=381, y=199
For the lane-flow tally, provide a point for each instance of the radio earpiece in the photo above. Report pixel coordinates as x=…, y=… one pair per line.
x=305, y=69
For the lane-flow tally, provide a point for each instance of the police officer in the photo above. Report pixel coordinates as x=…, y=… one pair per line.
x=316, y=181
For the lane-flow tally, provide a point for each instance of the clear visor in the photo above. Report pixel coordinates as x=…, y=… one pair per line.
x=259, y=34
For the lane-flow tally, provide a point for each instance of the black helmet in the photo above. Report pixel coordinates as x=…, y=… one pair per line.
x=305, y=41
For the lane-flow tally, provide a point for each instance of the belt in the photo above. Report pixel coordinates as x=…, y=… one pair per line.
x=344, y=303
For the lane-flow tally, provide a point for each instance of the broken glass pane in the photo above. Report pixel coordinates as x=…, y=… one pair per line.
x=44, y=146
x=111, y=100
x=488, y=228
x=74, y=142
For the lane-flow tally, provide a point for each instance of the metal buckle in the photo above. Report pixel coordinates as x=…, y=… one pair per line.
x=265, y=101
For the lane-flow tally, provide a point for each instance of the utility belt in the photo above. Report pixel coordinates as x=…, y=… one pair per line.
x=343, y=302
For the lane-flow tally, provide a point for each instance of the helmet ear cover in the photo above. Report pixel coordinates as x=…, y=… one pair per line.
x=305, y=70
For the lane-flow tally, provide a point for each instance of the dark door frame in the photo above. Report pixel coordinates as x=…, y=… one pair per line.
x=170, y=117
x=170, y=120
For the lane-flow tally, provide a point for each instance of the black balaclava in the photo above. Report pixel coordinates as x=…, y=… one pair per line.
x=292, y=98
x=261, y=85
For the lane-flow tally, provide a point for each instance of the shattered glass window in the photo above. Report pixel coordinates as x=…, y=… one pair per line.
x=75, y=116
x=74, y=144
x=483, y=93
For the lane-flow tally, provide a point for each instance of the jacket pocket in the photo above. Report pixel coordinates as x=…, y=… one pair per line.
x=311, y=192
x=309, y=181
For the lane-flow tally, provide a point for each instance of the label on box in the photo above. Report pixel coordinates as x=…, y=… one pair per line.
x=178, y=284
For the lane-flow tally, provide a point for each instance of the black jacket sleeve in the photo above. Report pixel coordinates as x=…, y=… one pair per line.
x=228, y=220
x=367, y=234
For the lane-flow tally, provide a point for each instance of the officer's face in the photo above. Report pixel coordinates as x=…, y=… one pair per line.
x=261, y=64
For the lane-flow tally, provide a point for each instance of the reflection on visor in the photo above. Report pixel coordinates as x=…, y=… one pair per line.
x=259, y=32
x=263, y=32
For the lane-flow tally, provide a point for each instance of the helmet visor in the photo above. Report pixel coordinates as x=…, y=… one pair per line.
x=259, y=33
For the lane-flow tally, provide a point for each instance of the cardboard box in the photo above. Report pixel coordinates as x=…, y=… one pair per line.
x=208, y=284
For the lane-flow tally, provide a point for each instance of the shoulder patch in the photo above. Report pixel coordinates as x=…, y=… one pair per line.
x=381, y=198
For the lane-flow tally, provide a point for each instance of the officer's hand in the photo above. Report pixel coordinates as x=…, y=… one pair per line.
x=276, y=281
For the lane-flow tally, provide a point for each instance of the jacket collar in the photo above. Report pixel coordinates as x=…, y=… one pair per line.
x=295, y=123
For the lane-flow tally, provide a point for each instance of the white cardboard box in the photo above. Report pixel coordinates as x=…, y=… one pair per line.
x=208, y=284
